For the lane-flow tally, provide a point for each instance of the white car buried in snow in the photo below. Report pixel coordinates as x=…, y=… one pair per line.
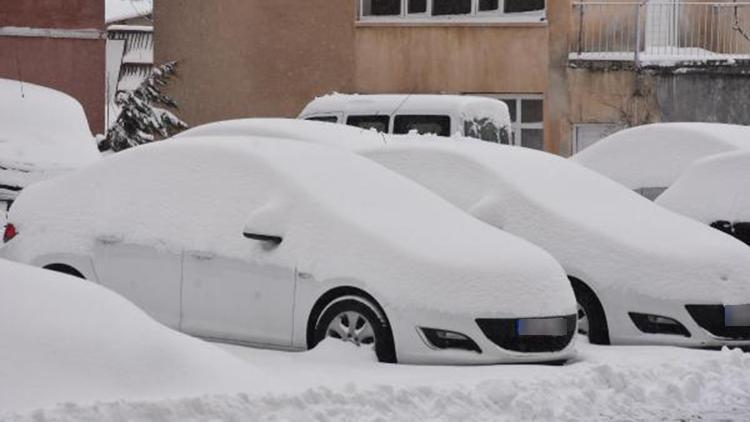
x=43, y=133
x=649, y=158
x=642, y=274
x=264, y=242
x=715, y=191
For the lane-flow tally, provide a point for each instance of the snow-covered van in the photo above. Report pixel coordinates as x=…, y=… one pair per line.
x=43, y=132
x=444, y=115
x=649, y=158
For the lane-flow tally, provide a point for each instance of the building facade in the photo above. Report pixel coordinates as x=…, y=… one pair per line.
x=570, y=71
x=57, y=44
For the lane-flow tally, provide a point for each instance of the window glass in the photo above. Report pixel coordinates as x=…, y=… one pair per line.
x=377, y=122
x=381, y=7
x=516, y=6
x=417, y=6
x=488, y=5
x=451, y=7
x=532, y=138
x=511, y=108
x=329, y=119
x=438, y=125
x=506, y=135
x=532, y=111
x=483, y=129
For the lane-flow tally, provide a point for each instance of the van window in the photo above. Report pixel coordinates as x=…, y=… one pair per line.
x=329, y=119
x=486, y=130
x=423, y=124
x=377, y=122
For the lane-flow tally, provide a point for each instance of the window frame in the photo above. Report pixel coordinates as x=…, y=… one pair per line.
x=518, y=125
x=473, y=15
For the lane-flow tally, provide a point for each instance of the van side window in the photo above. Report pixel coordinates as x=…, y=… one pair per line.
x=328, y=119
x=380, y=123
x=423, y=124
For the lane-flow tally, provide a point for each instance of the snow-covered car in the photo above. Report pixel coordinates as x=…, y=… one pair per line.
x=66, y=340
x=649, y=158
x=715, y=191
x=641, y=274
x=43, y=133
x=261, y=241
x=483, y=118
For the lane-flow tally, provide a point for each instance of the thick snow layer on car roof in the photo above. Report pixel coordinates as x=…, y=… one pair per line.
x=340, y=215
x=69, y=339
x=590, y=224
x=655, y=155
x=465, y=105
x=42, y=128
x=714, y=188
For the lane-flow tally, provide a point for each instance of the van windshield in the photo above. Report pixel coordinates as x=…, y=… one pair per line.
x=381, y=123
x=422, y=124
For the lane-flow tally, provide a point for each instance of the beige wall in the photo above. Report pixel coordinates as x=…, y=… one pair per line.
x=241, y=58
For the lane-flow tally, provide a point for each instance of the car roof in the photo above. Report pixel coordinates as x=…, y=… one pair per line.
x=655, y=155
x=465, y=106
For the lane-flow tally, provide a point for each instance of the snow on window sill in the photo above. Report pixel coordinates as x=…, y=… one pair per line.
x=521, y=19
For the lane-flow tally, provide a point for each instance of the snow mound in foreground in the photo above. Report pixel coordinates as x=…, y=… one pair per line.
x=42, y=127
x=715, y=188
x=64, y=339
x=656, y=155
x=644, y=384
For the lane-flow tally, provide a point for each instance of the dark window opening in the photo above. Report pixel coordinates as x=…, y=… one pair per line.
x=437, y=125
x=381, y=8
x=488, y=5
x=328, y=119
x=532, y=138
x=485, y=130
x=532, y=111
x=417, y=6
x=517, y=6
x=451, y=7
x=377, y=122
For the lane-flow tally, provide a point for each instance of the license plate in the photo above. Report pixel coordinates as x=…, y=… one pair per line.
x=542, y=327
x=737, y=316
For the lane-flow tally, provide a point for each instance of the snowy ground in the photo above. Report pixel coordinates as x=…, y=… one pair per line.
x=337, y=382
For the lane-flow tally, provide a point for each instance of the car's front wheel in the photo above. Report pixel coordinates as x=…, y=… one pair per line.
x=355, y=320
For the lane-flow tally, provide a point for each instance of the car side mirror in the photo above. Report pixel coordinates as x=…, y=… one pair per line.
x=268, y=239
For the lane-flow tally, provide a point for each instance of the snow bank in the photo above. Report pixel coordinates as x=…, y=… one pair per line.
x=614, y=383
x=656, y=155
x=713, y=189
x=340, y=215
x=67, y=340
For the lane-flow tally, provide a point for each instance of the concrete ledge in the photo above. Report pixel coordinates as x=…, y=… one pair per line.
x=24, y=32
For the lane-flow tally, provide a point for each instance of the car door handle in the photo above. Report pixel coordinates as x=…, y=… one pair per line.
x=202, y=255
x=109, y=239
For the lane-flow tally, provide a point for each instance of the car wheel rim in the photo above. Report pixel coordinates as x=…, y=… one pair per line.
x=351, y=327
x=583, y=320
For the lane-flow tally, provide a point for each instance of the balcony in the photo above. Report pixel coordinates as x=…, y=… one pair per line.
x=661, y=33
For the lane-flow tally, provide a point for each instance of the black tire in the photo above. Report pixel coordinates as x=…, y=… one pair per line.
x=383, y=336
x=598, y=332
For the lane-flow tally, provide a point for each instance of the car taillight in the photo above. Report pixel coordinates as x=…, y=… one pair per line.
x=10, y=233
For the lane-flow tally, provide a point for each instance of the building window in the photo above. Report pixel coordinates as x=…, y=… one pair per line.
x=526, y=116
x=389, y=9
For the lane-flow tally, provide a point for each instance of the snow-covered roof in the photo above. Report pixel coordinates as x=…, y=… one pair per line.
x=655, y=155
x=42, y=128
x=713, y=189
x=120, y=10
x=461, y=105
x=370, y=224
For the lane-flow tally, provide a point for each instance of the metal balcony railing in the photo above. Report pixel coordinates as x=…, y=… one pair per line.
x=661, y=32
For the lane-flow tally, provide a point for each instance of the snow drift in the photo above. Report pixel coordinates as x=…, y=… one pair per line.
x=656, y=155
x=65, y=339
